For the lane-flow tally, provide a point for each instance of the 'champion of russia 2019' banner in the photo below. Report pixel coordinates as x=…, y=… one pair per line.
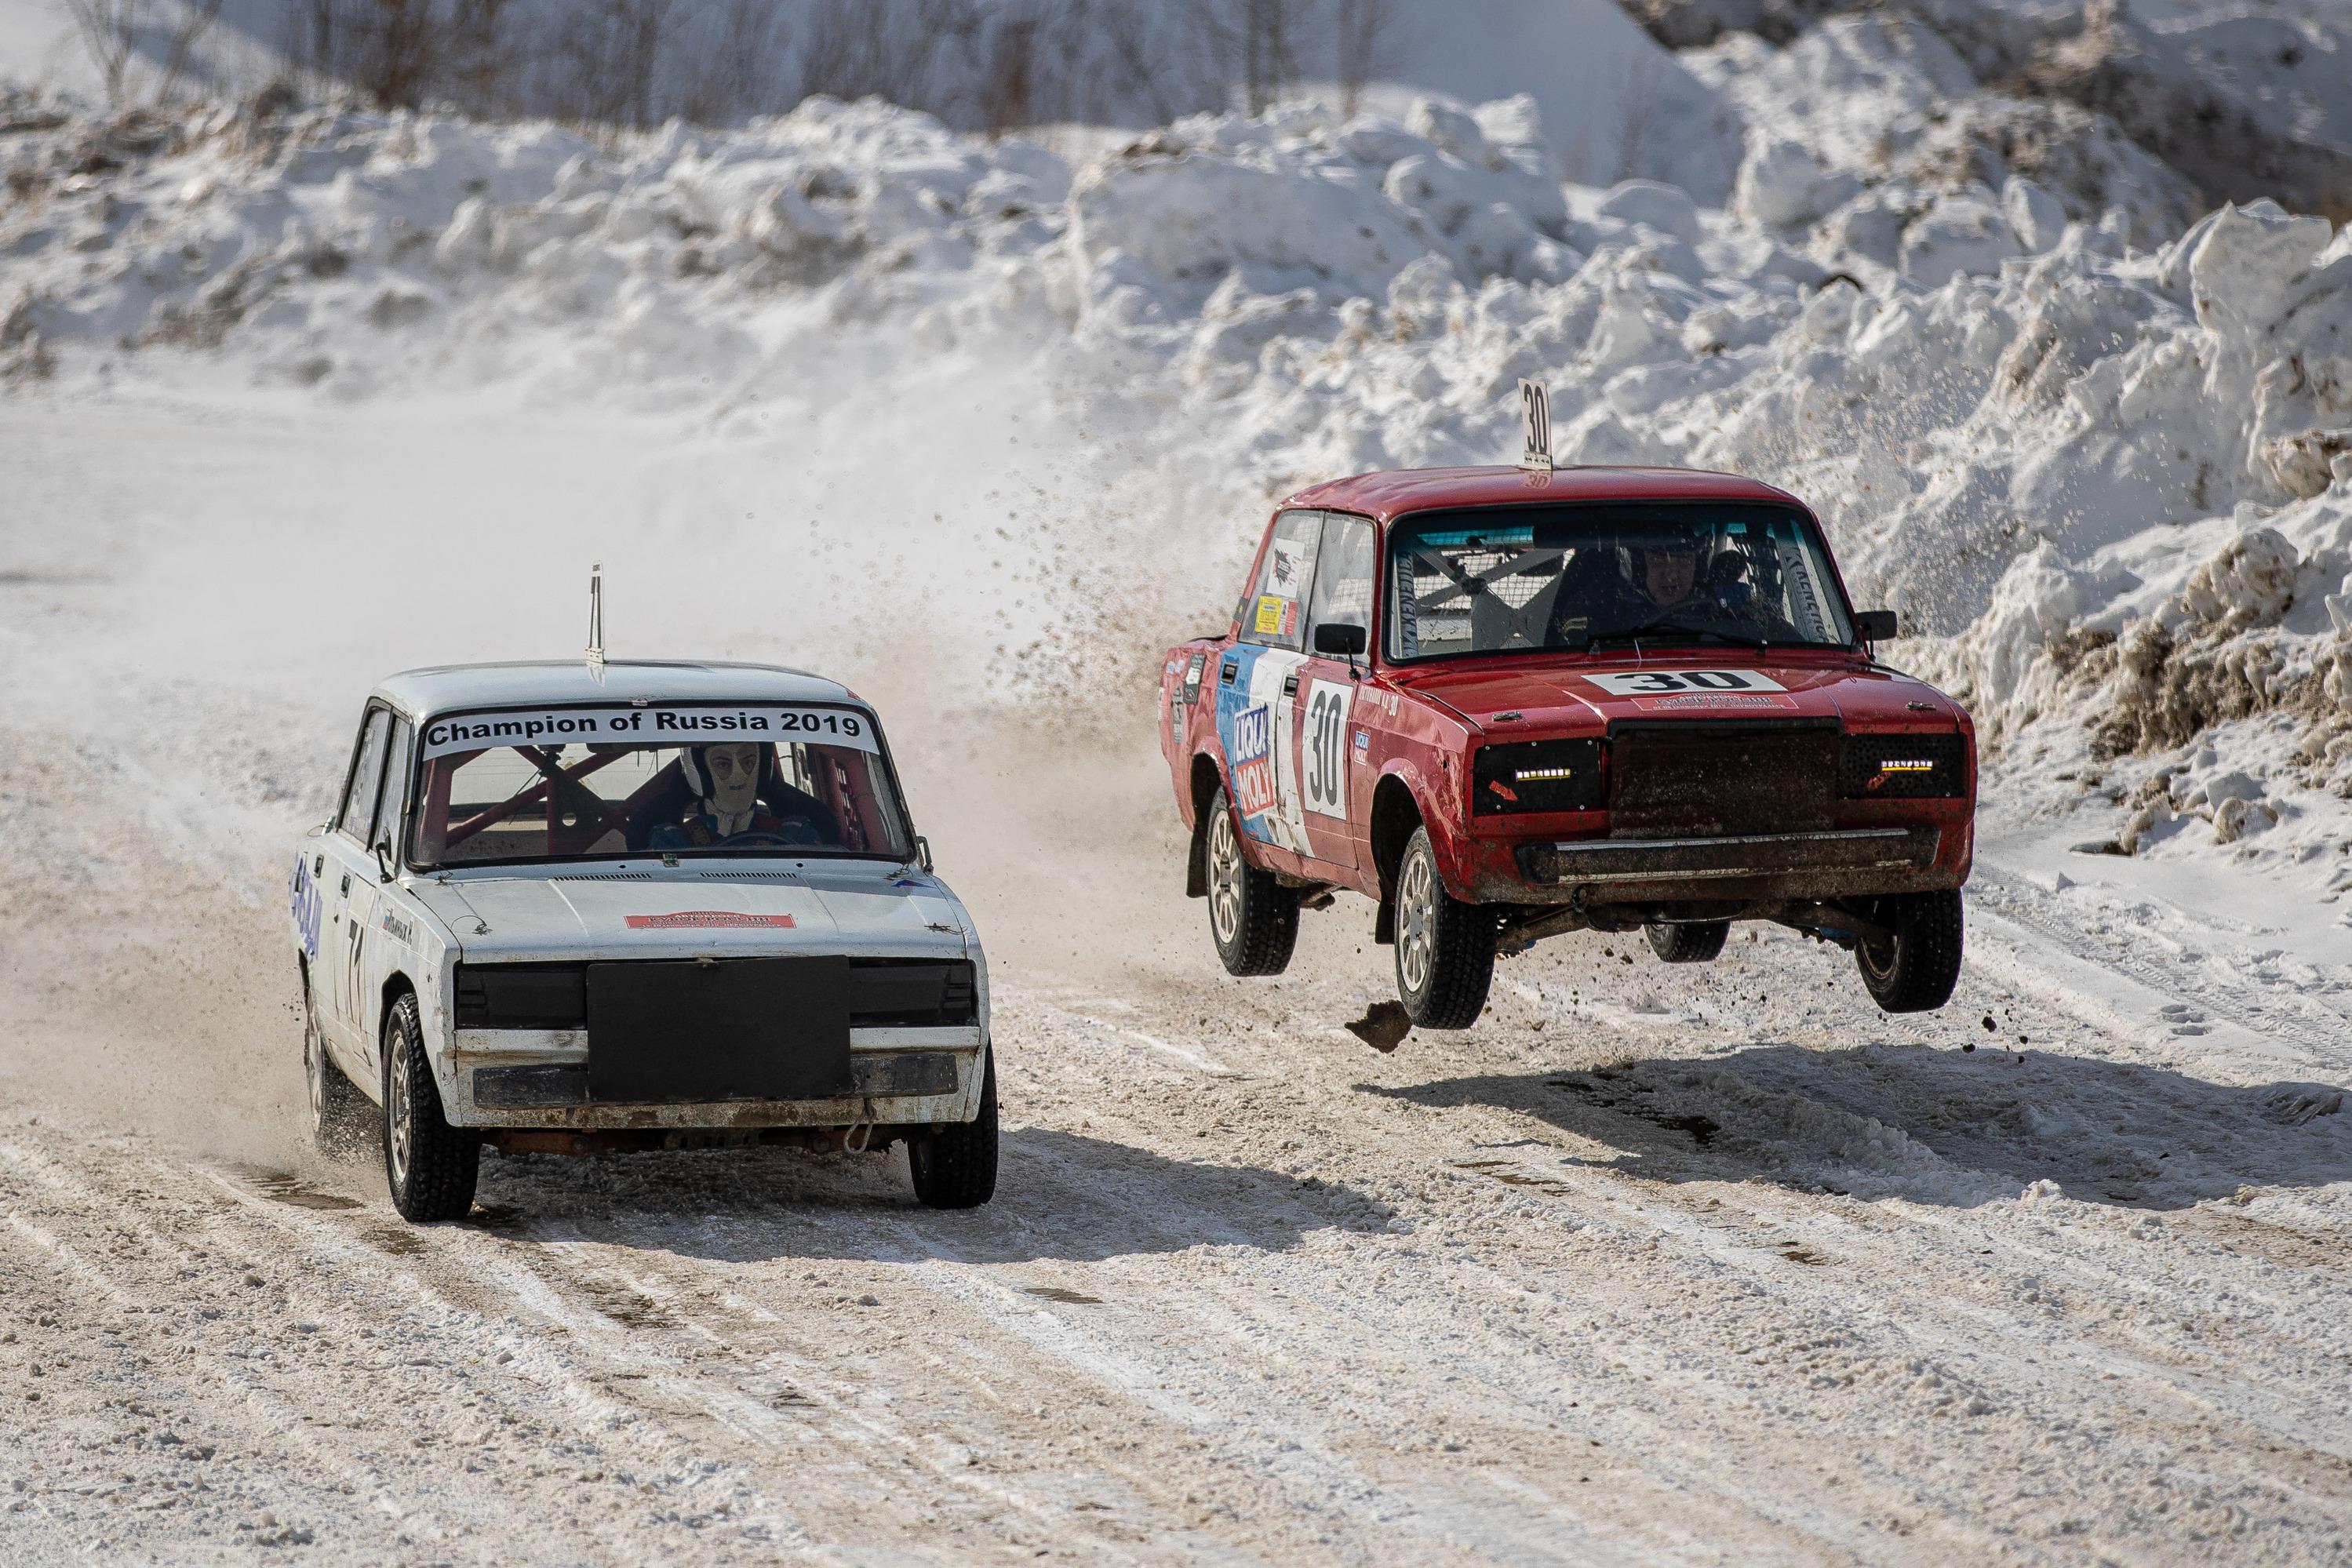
x=649, y=726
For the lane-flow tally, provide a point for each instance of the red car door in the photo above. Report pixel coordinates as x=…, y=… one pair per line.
x=1332, y=796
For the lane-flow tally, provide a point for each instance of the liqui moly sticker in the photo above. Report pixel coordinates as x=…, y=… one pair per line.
x=1253, y=760
x=709, y=920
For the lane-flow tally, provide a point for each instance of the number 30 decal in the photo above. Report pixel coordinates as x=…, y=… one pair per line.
x=1650, y=682
x=1323, y=744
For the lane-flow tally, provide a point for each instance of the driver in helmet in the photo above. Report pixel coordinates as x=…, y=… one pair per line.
x=1668, y=573
x=725, y=784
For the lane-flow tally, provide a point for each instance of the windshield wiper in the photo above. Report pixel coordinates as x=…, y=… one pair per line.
x=1660, y=628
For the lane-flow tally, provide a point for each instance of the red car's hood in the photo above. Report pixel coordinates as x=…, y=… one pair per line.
x=1579, y=696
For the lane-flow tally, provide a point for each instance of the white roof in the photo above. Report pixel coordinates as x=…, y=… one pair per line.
x=454, y=688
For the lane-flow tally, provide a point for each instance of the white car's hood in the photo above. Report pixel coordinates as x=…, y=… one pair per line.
x=686, y=912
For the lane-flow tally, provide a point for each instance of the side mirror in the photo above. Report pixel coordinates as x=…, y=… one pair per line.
x=1874, y=625
x=1341, y=640
x=382, y=860
x=922, y=851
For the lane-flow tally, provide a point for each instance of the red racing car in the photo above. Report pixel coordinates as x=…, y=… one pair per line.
x=1507, y=705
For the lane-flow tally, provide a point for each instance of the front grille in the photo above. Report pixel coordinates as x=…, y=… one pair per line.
x=884, y=993
x=522, y=996
x=1537, y=776
x=1697, y=779
x=1904, y=767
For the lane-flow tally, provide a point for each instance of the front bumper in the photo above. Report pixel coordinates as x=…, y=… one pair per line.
x=1751, y=868
x=539, y=1079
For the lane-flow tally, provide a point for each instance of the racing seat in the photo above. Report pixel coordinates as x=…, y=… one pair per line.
x=1594, y=589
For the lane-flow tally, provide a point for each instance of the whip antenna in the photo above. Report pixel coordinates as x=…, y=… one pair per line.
x=596, y=616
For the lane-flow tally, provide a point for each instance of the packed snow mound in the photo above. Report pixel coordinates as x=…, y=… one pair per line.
x=2112, y=480
x=2241, y=102
x=1883, y=98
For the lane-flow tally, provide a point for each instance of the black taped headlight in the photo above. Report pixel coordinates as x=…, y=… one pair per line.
x=1538, y=776
x=1904, y=767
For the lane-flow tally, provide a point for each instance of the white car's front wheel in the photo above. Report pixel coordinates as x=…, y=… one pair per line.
x=430, y=1165
x=954, y=1166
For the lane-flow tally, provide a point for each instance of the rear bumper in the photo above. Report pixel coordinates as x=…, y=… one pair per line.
x=539, y=1079
x=1754, y=868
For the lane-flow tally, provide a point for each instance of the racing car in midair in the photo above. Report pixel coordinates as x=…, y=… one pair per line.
x=642, y=905
x=1508, y=703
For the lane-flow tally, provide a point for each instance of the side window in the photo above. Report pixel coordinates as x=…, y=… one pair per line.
x=396, y=780
x=1276, y=615
x=367, y=774
x=1343, y=579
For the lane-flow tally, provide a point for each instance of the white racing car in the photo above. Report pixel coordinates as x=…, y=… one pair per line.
x=580, y=908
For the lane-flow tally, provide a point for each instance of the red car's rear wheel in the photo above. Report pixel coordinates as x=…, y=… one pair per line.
x=1253, y=917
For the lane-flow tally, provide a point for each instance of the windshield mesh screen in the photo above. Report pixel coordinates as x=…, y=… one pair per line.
x=1573, y=577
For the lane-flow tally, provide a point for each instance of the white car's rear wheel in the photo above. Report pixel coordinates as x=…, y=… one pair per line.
x=333, y=1100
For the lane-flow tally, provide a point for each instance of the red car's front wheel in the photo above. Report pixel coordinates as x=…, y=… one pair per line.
x=1914, y=967
x=1445, y=947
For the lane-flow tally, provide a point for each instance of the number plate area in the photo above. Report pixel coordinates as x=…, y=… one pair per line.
x=1690, y=779
x=735, y=1028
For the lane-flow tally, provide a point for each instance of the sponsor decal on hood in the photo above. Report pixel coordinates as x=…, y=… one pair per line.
x=707, y=919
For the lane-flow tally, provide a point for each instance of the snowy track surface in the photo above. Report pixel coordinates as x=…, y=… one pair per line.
x=1705, y=1264
x=1749, y=1279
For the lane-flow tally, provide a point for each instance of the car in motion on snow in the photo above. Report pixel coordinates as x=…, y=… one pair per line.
x=1507, y=705
x=642, y=905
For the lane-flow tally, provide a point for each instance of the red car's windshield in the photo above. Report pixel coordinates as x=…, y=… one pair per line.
x=1573, y=578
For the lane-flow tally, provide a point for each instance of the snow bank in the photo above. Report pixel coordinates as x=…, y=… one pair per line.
x=2113, y=477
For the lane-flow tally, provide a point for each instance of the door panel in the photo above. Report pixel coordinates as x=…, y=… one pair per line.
x=1330, y=758
x=350, y=892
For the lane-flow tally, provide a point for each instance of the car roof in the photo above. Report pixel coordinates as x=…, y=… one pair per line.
x=449, y=688
x=1390, y=494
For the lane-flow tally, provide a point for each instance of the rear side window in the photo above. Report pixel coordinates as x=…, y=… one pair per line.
x=366, y=779
x=1275, y=615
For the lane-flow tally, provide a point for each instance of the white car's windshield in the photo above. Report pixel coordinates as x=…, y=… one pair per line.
x=509, y=786
x=1577, y=577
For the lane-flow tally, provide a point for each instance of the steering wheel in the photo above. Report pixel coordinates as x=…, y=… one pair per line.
x=796, y=832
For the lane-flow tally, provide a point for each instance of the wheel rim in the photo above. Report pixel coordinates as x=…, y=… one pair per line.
x=397, y=1098
x=1878, y=959
x=1225, y=879
x=1416, y=922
